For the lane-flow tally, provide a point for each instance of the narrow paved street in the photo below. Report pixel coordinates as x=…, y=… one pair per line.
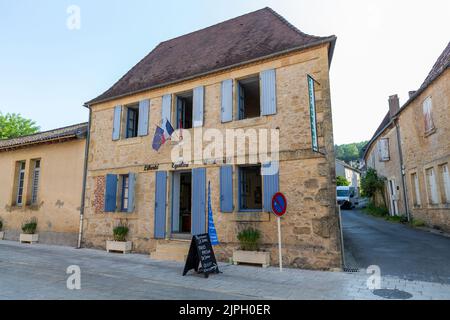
x=39, y=272
x=397, y=249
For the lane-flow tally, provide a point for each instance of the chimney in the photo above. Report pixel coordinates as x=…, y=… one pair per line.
x=394, y=105
x=411, y=93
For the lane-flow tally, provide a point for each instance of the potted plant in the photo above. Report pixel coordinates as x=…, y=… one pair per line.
x=29, y=234
x=120, y=242
x=249, y=252
x=2, y=234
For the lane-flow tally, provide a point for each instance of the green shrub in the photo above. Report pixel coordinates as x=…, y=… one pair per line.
x=399, y=219
x=418, y=223
x=249, y=239
x=376, y=211
x=29, y=227
x=342, y=181
x=120, y=232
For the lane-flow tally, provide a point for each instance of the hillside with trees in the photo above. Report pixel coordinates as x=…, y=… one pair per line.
x=350, y=152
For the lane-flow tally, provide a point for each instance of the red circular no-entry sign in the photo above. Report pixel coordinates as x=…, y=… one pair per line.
x=279, y=204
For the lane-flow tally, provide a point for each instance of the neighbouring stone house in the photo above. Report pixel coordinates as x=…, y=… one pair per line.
x=41, y=176
x=418, y=183
x=350, y=173
x=252, y=73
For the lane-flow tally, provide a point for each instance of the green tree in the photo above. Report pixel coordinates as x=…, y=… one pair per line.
x=13, y=125
x=342, y=182
x=371, y=183
x=350, y=152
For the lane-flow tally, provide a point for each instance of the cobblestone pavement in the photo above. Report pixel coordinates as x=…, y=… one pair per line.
x=39, y=272
x=398, y=250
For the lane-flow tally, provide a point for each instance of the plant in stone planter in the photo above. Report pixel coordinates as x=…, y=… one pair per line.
x=249, y=240
x=29, y=231
x=120, y=243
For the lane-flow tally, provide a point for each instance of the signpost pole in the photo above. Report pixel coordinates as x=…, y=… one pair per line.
x=279, y=244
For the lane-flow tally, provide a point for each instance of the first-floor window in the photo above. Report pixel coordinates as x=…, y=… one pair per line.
x=432, y=186
x=35, y=182
x=132, y=121
x=446, y=182
x=250, y=188
x=415, y=183
x=124, y=192
x=20, y=183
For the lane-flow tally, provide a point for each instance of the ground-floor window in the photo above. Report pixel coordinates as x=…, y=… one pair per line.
x=20, y=182
x=432, y=186
x=250, y=188
x=124, y=183
x=416, y=191
x=35, y=182
x=445, y=182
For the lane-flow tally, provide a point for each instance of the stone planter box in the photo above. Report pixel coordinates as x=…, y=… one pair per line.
x=28, y=238
x=2, y=235
x=252, y=257
x=119, y=246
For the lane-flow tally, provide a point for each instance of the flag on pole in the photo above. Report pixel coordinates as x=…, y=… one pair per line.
x=168, y=130
x=158, y=138
x=211, y=228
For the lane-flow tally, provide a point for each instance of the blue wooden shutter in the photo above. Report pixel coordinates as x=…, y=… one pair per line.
x=144, y=107
x=160, y=205
x=116, y=122
x=131, y=191
x=268, y=93
x=270, y=172
x=198, y=101
x=198, y=201
x=110, y=193
x=227, y=100
x=226, y=188
x=166, y=108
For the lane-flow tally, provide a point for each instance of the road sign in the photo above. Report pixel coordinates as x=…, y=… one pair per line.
x=279, y=204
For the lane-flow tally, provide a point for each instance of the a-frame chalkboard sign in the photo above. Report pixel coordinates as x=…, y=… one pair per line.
x=201, y=253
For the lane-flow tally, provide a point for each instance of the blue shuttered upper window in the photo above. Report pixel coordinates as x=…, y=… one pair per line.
x=268, y=92
x=116, y=122
x=144, y=110
x=227, y=100
x=198, y=106
x=166, y=109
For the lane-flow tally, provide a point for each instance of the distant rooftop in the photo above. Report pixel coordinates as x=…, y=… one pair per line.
x=60, y=134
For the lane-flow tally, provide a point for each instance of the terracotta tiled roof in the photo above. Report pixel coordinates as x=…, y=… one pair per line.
x=74, y=131
x=240, y=40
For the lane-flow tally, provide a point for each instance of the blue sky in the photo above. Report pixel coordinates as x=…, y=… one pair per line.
x=48, y=71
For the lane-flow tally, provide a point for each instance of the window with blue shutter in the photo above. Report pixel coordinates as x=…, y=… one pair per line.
x=166, y=108
x=248, y=93
x=227, y=100
x=160, y=205
x=131, y=191
x=199, y=96
x=198, y=201
x=226, y=189
x=270, y=173
x=250, y=189
x=268, y=92
x=144, y=108
x=184, y=110
x=110, y=193
x=116, y=122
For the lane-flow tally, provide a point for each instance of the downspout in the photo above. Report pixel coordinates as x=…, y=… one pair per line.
x=402, y=169
x=83, y=191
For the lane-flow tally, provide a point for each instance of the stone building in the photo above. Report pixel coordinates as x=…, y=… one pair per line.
x=41, y=176
x=350, y=173
x=417, y=172
x=252, y=74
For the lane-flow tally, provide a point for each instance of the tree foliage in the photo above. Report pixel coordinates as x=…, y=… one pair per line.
x=350, y=152
x=342, y=182
x=13, y=125
x=371, y=183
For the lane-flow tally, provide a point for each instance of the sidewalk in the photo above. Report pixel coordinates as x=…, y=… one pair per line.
x=39, y=272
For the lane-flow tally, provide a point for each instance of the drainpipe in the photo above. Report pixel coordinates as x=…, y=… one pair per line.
x=402, y=169
x=83, y=191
